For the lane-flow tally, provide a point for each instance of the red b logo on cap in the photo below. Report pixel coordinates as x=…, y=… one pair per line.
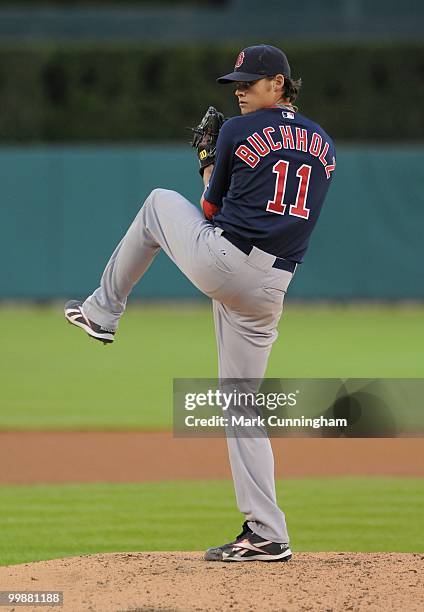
x=240, y=59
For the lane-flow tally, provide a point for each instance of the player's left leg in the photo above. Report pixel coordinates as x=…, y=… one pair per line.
x=166, y=221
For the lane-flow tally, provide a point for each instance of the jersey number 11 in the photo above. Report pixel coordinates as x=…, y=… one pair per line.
x=298, y=209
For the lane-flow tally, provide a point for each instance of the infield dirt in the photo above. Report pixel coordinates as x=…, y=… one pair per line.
x=59, y=457
x=183, y=582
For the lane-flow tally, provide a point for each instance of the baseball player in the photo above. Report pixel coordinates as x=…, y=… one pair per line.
x=266, y=174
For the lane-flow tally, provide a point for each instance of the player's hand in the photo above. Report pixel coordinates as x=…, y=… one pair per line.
x=205, y=136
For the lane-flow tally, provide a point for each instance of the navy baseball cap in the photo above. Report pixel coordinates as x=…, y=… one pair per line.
x=257, y=62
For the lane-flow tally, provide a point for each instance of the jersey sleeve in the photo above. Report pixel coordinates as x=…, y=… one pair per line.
x=221, y=174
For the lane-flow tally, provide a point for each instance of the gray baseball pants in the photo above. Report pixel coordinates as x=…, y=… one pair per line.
x=247, y=294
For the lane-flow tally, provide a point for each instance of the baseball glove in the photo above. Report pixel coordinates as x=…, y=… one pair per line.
x=205, y=136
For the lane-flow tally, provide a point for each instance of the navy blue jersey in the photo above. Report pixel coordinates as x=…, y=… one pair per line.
x=272, y=172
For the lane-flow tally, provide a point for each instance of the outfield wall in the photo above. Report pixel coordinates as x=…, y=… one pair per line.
x=63, y=209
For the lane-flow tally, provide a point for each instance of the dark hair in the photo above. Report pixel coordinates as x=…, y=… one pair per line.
x=291, y=88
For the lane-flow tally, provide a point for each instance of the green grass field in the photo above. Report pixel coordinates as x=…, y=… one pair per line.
x=340, y=514
x=54, y=377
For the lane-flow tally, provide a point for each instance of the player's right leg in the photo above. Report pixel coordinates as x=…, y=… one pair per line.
x=246, y=327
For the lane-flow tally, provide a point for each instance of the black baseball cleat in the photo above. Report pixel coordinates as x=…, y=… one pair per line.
x=75, y=315
x=248, y=546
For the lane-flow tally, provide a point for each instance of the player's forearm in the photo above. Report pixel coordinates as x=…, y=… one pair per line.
x=206, y=177
x=207, y=174
x=208, y=209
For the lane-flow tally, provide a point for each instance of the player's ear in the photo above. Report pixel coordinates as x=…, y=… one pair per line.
x=278, y=82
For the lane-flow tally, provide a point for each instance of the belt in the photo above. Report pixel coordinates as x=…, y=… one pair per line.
x=246, y=247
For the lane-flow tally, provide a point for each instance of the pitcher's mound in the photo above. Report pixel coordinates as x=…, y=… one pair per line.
x=183, y=582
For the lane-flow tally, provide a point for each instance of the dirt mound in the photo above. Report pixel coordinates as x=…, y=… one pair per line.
x=183, y=582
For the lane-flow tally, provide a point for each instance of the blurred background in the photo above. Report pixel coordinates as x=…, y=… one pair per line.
x=96, y=99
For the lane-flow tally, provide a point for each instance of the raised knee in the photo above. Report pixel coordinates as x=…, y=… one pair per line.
x=159, y=192
x=153, y=198
x=156, y=192
x=161, y=199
